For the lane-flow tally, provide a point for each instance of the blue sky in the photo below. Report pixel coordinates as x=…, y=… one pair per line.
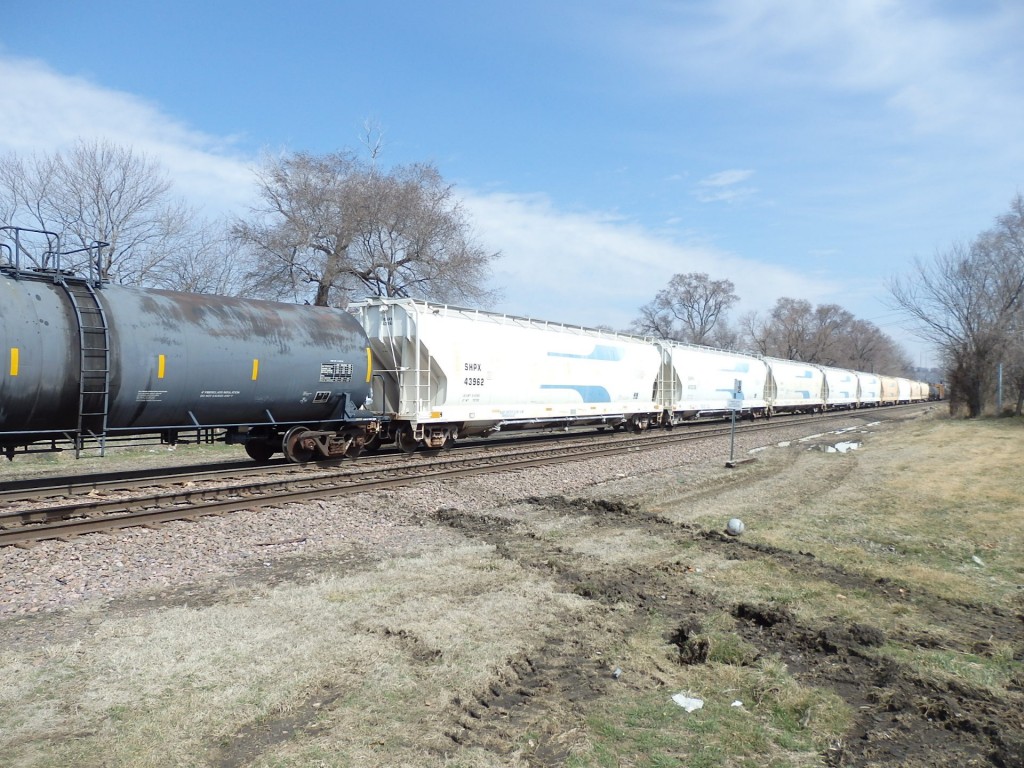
x=800, y=148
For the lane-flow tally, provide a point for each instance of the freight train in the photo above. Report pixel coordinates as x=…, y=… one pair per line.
x=87, y=361
x=442, y=372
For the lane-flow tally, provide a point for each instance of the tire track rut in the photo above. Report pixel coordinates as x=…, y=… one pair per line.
x=903, y=719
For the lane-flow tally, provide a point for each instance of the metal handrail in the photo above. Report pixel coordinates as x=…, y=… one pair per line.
x=53, y=251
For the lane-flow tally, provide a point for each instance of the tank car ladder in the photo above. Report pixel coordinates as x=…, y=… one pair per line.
x=94, y=386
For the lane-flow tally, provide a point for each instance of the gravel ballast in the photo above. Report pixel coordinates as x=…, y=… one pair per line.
x=140, y=562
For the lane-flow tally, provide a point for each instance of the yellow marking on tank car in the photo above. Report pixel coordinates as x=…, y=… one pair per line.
x=15, y=357
x=369, y=364
x=161, y=365
x=255, y=368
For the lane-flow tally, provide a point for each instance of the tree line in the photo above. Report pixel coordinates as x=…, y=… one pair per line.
x=969, y=302
x=693, y=308
x=327, y=229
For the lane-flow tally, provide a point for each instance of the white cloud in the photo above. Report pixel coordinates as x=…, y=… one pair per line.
x=726, y=178
x=594, y=269
x=45, y=111
x=956, y=71
x=723, y=187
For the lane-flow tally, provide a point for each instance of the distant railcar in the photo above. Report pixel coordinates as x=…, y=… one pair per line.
x=700, y=382
x=870, y=389
x=918, y=391
x=795, y=387
x=841, y=388
x=889, y=393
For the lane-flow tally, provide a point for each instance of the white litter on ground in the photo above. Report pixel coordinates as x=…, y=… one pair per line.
x=688, y=703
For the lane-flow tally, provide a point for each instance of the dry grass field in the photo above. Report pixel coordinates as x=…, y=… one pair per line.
x=872, y=614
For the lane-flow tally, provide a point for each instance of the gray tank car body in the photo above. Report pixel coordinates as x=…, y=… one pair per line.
x=82, y=361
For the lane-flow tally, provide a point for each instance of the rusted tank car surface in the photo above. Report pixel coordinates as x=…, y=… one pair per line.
x=81, y=360
x=188, y=358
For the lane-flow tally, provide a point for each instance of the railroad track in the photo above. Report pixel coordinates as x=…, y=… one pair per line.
x=232, y=487
x=36, y=489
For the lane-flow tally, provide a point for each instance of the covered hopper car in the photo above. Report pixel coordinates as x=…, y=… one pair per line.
x=842, y=388
x=445, y=372
x=797, y=387
x=700, y=382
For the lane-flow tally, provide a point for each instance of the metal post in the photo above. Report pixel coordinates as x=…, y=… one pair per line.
x=732, y=437
x=734, y=405
x=999, y=392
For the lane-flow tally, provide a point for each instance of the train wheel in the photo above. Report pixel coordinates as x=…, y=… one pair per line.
x=293, y=447
x=259, y=451
x=405, y=440
x=371, y=445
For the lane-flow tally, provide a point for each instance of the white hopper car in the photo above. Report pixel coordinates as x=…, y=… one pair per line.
x=869, y=389
x=697, y=382
x=905, y=390
x=842, y=388
x=795, y=387
x=441, y=373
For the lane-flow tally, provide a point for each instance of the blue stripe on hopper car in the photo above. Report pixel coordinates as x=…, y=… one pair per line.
x=589, y=394
x=600, y=352
x=739, y=367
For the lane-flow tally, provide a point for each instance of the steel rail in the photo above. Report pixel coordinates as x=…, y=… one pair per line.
x=98, y=515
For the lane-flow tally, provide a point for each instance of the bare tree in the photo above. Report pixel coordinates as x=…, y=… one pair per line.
x=372, y=138
x=1013, y=369
x=967, y=301
x=826, y=334
x=334, y=226
x=828, y=325
x=99, y=191
x=864, y=347
x=301, y=234
x=789, y=327
x=753, y=334
x=415, y=240
x=688, y=309
x=724, y=336
x=210, y=261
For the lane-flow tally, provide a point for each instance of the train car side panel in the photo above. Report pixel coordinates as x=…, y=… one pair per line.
x=890, y=391
x=39, y=387
x=870, y=387
x=201, y=360
x=84, y=362
x=449, y=372
x=699, y=381
x=797, y=386
x=840, y=387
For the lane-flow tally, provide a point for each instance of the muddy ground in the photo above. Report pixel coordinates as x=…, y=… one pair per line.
x=904, y=720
